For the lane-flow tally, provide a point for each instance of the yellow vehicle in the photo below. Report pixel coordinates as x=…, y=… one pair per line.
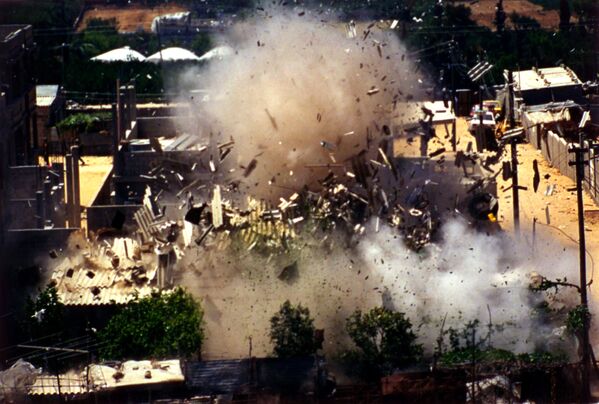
x=492, y=106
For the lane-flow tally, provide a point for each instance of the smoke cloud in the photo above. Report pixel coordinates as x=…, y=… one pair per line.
x=299, y=93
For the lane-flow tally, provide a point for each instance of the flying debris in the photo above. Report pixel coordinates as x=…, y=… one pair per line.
x=537, y=177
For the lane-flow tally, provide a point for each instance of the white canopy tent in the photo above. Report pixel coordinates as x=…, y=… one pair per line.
x=219, y=52
x=124, y=54
x=173, y=55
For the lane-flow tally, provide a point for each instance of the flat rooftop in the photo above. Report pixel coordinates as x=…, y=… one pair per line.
x=550, y=77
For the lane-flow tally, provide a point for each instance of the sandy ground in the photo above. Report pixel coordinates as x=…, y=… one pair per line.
x=130, y=19
x=483, y=12
x=561, y=204
x=556, y=214
x=92, y=176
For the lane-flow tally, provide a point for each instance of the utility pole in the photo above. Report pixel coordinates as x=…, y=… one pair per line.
x=512, y=137
x=511, y=99
x=580, y=163
x=513, y=147
x=453, y=99
x=499, y=16
x=481, y=143
x=515, y=187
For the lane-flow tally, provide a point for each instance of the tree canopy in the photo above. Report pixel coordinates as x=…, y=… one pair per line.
x=292, y=331
x=44, y=315
x=384, y=340
x=161, y=325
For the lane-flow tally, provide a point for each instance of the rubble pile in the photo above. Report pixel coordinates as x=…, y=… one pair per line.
x=102, y=272
x=371, y=186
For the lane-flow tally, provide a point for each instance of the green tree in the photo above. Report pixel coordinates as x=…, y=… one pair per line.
x=564, y=14
x=292, y=331
x=384, y=340
x=201, y=44
x=158, y=326
x=44, y=315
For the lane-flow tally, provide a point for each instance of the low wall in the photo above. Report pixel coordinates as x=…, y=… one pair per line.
x=29, y=240
x=156, y=127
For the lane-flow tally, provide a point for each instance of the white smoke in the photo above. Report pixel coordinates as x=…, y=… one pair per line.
x=461, y=279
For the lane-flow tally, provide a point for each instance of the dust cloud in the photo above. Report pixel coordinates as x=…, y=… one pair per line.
x=461, y=278
x=300, y=94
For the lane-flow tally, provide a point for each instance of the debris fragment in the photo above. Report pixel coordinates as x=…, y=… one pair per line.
x=289, y=273
x=373, y=91
x=272, y=119
x=216, y=206
x=250, y=168
x=194, y=215
x=437, y=152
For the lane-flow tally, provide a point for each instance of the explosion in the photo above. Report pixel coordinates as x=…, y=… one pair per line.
x=299, y=96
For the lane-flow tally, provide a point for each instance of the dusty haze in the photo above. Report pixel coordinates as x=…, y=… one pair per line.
x=296, y=93
x=456, y=278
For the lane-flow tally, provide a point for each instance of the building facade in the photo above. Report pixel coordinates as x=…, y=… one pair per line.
x=17, y=84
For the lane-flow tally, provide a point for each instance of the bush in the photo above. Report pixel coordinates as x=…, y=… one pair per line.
x=158, y=326
x=84, y=122
x=292, y=331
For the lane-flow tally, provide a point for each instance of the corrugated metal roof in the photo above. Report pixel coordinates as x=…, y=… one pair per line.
x=95, y=281
x=102, y=296
x=296, y=375
x=218, y=377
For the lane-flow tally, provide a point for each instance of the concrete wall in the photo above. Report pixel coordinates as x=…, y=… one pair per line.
x=101, y=216
x=39, y=240
x=24, y=182
x=554, y=149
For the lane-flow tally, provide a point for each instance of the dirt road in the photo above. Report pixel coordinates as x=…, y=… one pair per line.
x=129, y=19
x=483, y=12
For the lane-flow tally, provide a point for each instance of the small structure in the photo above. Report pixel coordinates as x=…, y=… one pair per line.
x=545, y=85
x=174, y=23
x=173, y=54
x=106, y=274
x=218, y=53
